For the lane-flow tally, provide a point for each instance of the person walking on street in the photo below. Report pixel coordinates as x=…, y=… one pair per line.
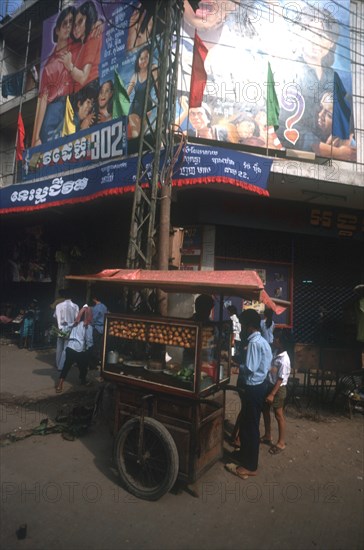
x=65, y=314
x=78, y=347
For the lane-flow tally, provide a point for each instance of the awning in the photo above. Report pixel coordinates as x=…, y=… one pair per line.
x=245, y=284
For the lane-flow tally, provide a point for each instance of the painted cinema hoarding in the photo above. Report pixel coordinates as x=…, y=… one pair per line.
x=95, y=57
x=227, y=93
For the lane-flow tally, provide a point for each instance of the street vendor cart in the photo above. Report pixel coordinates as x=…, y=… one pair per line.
x=171, y=374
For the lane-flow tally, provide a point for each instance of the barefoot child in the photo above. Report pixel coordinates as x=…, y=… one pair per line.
x=277, y=377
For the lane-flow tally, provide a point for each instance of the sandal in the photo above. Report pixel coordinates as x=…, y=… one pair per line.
x=233, y=469
x=59, y=389
x=266, y=441
x=274, y=450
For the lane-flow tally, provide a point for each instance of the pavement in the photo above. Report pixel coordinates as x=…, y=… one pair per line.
x=68, y=493
x=27, y=387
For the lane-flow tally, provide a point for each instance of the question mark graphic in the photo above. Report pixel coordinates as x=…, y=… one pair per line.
x=294, y=101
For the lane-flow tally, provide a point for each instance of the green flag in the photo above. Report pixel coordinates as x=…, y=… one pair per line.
x=121, y=102
x=272, y=101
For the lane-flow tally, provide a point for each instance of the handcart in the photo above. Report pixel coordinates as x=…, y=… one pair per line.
x=171, y=375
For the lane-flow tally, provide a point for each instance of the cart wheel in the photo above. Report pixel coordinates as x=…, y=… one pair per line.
x=156, y=473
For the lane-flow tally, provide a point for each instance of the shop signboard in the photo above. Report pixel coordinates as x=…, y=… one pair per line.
x=118, y=176
x=102, y=142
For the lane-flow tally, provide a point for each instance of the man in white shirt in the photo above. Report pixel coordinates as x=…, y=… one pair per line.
x=78, y=347
x=65, y=314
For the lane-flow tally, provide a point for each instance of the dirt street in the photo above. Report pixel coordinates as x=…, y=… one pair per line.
x=67, y=492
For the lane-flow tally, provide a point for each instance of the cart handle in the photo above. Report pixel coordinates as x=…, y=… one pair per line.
x=214, y=404
x=240, y=391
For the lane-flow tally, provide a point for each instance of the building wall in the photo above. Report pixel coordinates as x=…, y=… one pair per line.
x=343, y=173
x=322, y=283
x=323, y=257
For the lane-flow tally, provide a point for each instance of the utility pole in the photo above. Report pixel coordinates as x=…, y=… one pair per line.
x=157, y=139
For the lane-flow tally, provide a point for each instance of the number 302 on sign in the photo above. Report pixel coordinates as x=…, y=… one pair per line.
x=109, y=141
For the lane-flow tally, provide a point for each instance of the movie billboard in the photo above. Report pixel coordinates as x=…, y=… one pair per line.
x=94, y=65
x=266, y=75
x=270, y=74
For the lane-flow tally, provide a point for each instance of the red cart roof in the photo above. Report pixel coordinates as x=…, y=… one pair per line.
x=245, y=284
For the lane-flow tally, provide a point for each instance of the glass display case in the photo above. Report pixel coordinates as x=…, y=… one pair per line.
x=173, y=355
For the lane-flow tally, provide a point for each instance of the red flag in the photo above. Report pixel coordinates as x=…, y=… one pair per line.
x=199, y=76
x=20, y=139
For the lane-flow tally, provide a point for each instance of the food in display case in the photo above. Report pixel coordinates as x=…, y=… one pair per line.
x=154, y=333
x=168, y=352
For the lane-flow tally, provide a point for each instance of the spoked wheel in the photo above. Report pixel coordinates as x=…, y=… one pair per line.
x=151, y=471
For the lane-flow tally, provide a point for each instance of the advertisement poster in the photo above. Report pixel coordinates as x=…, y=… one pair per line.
x=264, y=74
x=268, y=74
x=94, y=63
x=277, y=280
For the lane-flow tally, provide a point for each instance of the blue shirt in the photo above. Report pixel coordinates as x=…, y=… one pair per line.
x=258, y=361
x=98, y=316
x=267, y=332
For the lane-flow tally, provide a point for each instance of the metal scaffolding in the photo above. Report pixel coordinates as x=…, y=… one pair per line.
x=153, y=178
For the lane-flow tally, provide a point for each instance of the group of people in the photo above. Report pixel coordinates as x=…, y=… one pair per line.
x=80, y=333
x=264, y=369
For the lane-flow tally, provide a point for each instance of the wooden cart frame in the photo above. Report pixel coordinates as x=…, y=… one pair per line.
x=164, y=434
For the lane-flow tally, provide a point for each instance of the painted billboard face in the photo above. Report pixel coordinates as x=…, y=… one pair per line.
x=245, y=129
x=79, y=29
x=208, y=15
x=85, y=108
x=143, y=60
x=317, y=42
x=105, y=94
x=324, y=121
x=198, y=118
x=64, y=31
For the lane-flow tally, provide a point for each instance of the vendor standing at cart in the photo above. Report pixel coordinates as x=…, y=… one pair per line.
x=99, y=311
x=203, y=308
x=253, y=374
